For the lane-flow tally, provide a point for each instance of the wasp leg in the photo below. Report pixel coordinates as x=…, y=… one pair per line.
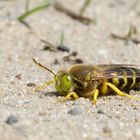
x=119, y=92
x=73, y=94
x=95, y=96
x=43, y=86
x=104, y=88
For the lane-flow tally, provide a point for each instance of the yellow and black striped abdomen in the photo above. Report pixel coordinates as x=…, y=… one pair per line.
x=126, y=78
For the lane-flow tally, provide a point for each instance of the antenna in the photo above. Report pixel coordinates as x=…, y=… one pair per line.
x=40, y=65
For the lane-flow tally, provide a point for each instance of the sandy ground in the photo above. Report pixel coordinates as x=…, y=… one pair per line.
x=42, y=115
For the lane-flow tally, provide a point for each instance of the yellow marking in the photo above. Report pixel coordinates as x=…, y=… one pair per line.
x=43, y=86
x=119, y=92
x=91, y=75
x=125, y=79
x=88, y=77
x=85, y=84
x=73, y=94
x=115, y=81
x=95, y=96
x=133, y=78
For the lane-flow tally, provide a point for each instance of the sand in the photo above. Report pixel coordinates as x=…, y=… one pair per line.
x=43, y=115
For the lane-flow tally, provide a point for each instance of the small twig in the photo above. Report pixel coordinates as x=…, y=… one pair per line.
x=58, y=6
x=132, y=31
x=30, y=12
x=115, y=36
x=136, y=41
x=62, y=38
x=128, y=36
x=49, y=46
x=26, y=24
x=85, y=5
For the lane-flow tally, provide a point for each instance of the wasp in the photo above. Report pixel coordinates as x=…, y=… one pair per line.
x=92, y=81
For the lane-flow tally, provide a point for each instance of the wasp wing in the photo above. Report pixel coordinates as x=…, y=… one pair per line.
x=102, y=72
x=116, y=70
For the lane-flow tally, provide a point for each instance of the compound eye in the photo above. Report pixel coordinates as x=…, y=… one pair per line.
x=66, y=83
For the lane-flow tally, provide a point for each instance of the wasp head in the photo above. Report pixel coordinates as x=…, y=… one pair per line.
x=63, y=82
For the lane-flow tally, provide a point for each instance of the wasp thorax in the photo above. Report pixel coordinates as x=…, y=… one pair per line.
x=63, y=82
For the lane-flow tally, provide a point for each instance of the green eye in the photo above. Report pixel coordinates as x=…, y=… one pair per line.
x=65, y=83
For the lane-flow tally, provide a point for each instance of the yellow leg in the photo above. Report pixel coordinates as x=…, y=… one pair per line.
x=104, y=88
x=95, y=96
x=73, y=94
x=114, y=88
x=43, y=86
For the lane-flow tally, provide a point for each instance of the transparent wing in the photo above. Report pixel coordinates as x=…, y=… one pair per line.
x=117, y=70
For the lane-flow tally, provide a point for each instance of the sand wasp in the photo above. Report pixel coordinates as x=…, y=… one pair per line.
x=93, y=81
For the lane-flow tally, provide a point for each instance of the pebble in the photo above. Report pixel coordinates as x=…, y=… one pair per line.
x=63, y=48
x=75, y=111
x=108, y=128
x=56, y=61
x=11, y=120
x=79, y=60
x=100, y=111
x=31, y=84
